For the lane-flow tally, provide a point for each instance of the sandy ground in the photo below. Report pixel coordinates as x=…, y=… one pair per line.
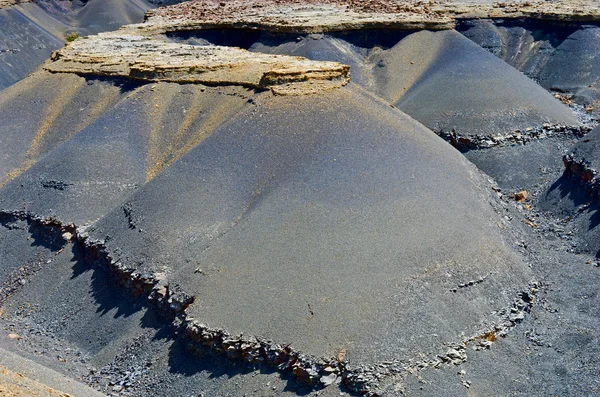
x=20, y=377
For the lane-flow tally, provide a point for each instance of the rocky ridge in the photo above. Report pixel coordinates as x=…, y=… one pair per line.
x=318, y=16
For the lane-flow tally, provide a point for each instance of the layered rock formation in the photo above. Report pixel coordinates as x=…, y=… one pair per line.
x=191, y=218
x=148, y=59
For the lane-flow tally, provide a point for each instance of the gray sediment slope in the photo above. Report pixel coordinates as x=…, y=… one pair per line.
x=303, y=220
x=441, y=79
x=343, y=205
x=172, y=239
x=43, y=111
x=560, y=57
x=32, y=31
x=104, y=161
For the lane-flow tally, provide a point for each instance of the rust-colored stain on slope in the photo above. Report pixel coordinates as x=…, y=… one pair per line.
x=203, y=115
x=215, y=116
x=161, y=102
x=56, y=108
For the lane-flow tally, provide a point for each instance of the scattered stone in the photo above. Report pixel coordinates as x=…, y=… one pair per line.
x=521, y=196
x=341, y=356
x=329, y=379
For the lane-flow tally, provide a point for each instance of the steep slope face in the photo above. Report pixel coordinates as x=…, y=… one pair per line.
x=465, y=89
x=24, y=43
x=31, y=31
x=561, y=58
x=56, y=108
x=100, y=16
x=126, y=146
x=575, y=193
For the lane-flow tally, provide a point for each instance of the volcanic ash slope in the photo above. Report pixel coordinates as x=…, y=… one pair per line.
x=135, y=133
x=441, y=79
x=329, y=221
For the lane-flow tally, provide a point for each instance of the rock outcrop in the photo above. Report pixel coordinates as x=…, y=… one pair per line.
x=147, y=58
x=331, y=15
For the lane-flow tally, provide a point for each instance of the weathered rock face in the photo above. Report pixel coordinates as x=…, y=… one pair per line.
x=576, y=193
x=322, y=16
x=149, y=59
x=296, y=17
x=8, y=3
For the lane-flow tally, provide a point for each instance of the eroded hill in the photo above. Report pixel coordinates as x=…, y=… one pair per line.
x=267, y=198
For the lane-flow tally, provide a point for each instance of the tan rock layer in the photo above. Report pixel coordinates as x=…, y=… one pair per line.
x=8, y=3
x=152, y=59
x=140, y=52
x=312, y=16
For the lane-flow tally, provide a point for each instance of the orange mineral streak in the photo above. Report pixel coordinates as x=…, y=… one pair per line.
x=204, y=113
x=58, y=106
x=159, y=111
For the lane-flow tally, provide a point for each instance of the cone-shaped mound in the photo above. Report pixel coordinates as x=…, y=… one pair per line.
x=464, y=88
x=564, y=58
x=329, y=221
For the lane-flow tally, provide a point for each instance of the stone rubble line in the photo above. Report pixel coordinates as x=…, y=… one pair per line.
x=172, y=302
x=517, y=137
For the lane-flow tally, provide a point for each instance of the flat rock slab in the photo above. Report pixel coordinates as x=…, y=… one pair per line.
x=150, y=59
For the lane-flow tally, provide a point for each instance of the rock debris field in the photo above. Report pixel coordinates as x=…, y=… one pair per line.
x=299, y=198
